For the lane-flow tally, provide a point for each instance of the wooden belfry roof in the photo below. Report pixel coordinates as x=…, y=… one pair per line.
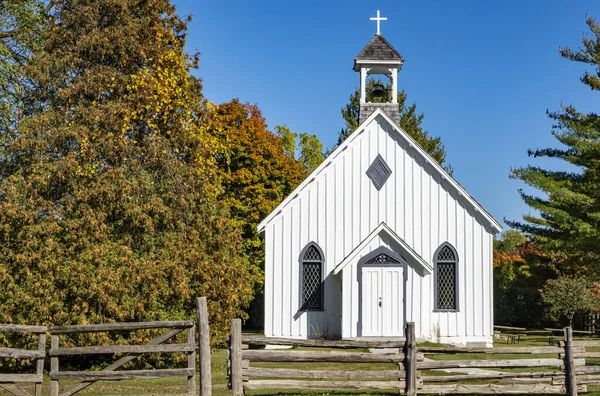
x=379, y=49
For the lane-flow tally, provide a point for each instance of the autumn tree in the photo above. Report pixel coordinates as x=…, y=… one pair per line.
x=258, y=170
x=410, y=121
x=255, y=172
x=566, y=205
x=110, y=211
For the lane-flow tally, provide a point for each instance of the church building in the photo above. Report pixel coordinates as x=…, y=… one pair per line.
x=379, y=235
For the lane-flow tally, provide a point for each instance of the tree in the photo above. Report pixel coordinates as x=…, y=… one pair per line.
x=20, y=25
x=510, y=241
x=309, y=146
x=311, y=151
x=258, y=170
x=568, y=200
x=410, y=121
x=568, y=295
x=255, y=168
x=110, y=211
x=520, y=271
x=289, y=140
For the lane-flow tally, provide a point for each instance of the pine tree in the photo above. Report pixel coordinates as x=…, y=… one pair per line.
x=566, y=221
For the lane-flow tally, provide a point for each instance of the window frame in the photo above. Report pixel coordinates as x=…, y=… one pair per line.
x=456, y=278
x=301, y=262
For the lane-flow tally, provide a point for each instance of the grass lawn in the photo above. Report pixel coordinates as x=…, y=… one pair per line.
x=219, y=370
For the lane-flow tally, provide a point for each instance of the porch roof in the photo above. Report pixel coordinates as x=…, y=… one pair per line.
x=384, y=229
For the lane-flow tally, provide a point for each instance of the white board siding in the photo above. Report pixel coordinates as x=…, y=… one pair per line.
x=340, y=207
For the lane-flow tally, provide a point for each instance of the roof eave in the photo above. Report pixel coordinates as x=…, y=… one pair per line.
x=359, y=62
x=414, y=256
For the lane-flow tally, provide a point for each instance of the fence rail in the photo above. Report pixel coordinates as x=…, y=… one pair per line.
x=110, y=373
x=7, y=381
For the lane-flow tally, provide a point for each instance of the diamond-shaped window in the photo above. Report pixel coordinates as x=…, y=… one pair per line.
x=379, y=172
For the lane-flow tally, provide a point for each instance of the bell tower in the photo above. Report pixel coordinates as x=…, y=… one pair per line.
x=378, y=57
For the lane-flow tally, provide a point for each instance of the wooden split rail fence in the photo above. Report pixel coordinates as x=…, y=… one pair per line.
x=434, y=370
x=244, y=374
x=161, y=344
x=110, y=373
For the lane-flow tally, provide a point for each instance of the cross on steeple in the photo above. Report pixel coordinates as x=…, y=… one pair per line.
x=378, y=19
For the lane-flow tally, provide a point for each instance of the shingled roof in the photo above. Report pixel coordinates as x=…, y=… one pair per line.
x=379, y=49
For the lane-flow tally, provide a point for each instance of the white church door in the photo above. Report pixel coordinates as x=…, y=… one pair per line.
x=382, y=297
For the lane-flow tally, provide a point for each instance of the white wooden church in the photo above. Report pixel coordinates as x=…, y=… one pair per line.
x=379, y=235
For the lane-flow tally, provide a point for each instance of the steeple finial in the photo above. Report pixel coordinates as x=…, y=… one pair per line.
x=378, y=19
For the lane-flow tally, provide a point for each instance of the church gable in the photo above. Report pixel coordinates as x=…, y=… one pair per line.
x=371, y=163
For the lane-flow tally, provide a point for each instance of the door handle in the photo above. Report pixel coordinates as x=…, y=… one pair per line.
x=379, y=301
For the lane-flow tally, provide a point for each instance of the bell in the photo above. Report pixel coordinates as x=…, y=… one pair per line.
x=378, y=91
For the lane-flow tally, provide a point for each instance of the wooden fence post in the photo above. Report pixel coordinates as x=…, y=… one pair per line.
x=54, y=366
x=571, y=379
x=191, y=361
x=410, y=360
x=235, y=348
x=204, y=345
x=39, y=369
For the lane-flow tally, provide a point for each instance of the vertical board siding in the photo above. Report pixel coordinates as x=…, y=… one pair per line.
x=486, y=317
x=340, y=207
x=294, y=258
x=269, y=276
x=276, y=281
x=477, y=279
x=286, y=275
x=467, y=259
x=464, y=292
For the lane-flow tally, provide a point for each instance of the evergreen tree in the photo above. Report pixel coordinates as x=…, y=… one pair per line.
x=566, y=222
x=109, y=211
x=410, y=121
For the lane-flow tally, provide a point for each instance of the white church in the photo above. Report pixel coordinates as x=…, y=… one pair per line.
x=379, y=235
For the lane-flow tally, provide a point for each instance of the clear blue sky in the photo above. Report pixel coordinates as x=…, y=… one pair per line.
x=483, y=72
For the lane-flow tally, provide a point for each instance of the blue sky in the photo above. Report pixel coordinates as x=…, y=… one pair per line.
x=483, y=72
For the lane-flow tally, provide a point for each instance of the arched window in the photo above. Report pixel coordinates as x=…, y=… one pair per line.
x=446, y=278
x=311, y=260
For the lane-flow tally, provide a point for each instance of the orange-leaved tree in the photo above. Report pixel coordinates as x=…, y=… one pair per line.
x=256, y=173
